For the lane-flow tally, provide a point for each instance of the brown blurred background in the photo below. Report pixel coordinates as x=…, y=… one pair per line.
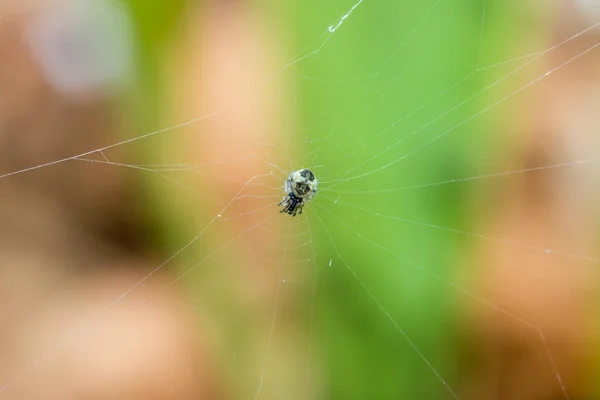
x=94, y=306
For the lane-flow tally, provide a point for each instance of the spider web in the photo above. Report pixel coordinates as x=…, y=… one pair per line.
x=404, y=124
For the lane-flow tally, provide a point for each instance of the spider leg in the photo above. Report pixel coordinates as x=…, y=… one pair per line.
x=285, y=208
x=286, y=203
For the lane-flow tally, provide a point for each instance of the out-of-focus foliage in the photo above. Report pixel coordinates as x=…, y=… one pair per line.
x=383, y=63
x=395, y=58
x=395, y=93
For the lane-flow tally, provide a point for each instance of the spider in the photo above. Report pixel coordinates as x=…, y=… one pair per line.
x=299, y=187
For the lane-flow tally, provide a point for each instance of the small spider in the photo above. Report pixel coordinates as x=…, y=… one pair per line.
x=299, y=187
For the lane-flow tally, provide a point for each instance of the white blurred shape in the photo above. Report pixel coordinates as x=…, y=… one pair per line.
x=590, y=9
x=83, y=45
